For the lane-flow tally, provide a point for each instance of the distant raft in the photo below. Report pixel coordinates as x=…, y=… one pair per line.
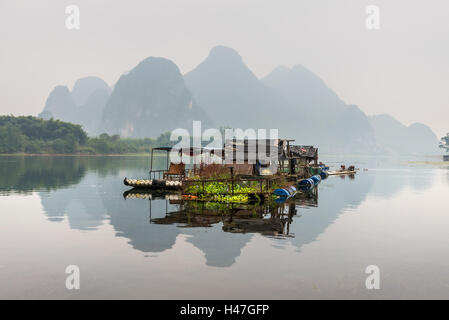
x=342, y=172
x=153, y=184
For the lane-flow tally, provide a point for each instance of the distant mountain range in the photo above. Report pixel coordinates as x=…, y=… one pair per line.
x=393, y=136
x=231, y=94
x=83, y=105
x=151, y=99
x=154, y=97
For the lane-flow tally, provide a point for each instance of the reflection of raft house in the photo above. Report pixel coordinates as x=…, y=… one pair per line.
x=270, y=219
x=266, y=220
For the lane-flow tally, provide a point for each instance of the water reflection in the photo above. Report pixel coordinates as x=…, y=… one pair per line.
x=81, y=205
x=25, y=174
x=88, y=192
x=271, y=219
x=224, y=228
x=22, y=174
x=71, y=210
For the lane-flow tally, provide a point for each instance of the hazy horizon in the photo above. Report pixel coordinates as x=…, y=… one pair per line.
x=400, y=69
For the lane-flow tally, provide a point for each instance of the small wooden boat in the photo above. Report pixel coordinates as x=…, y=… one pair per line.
x=341, y=172
x=153, y=184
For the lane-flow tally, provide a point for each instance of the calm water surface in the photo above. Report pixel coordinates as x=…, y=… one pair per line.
x=60, y=211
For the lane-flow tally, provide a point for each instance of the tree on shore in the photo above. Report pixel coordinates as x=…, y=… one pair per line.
x=27, y=134
x=444, y=144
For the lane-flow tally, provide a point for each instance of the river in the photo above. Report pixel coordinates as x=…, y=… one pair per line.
x=71, y=210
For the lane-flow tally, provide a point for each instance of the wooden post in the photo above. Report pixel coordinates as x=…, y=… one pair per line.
x=151, y=163
x=167, y=159
x=232, y=180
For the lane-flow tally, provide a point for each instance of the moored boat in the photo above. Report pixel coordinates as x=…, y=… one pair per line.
x=153, y=183
x=341, y=172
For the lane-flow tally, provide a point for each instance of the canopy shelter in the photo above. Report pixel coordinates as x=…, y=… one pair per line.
x=299, y=158
x=286, y=158
x=182, y=152
x=252, y=149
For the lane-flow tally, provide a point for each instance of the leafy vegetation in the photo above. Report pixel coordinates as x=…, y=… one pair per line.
x=214, y=184
x=223, y=191
x=106, y=144
x=38, y=136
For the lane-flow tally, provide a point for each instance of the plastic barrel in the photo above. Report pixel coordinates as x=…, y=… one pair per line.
x=316, y=179
x=285, y=192
x=280, y=200
x=281, y=192
x=306, y=183
x=324, y=175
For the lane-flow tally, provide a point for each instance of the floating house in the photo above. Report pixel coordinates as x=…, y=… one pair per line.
x=254, y=168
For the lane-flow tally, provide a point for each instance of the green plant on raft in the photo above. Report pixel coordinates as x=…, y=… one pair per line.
x=218, y=188
x=220, y=192
x=227, y=198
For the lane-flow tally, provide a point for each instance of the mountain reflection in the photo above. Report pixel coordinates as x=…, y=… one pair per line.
x=230, y=227
x=88, y=192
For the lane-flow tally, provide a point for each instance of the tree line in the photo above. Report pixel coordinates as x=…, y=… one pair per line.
x=28, y=134
x=444, y=144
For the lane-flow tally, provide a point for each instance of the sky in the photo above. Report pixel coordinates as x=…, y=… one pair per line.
x=401, y=69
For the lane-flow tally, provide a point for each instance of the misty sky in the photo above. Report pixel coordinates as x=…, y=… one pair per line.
x=401, y=69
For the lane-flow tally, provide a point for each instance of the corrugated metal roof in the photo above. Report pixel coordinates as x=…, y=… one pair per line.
x=303, y=151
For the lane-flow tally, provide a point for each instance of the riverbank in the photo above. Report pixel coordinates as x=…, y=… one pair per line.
x=430, y=163
x=35, y=136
